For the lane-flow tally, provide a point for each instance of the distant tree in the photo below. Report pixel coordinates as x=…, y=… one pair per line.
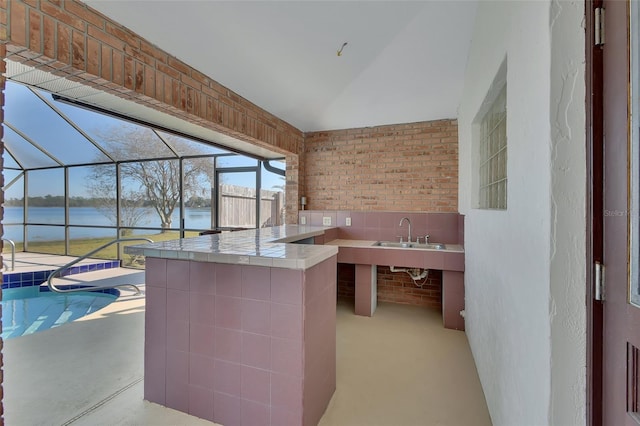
x=102, y=185
x=54, y=201
x=43, y=201
x=155, y=182
x=198, y=202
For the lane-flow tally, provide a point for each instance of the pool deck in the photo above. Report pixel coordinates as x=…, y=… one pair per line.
x=399, y=367
x=31, y=262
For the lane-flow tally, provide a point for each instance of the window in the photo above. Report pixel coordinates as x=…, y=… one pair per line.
x=84, y=176
x=493, y=155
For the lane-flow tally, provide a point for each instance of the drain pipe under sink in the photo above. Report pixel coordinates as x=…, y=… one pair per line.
x=415, y=274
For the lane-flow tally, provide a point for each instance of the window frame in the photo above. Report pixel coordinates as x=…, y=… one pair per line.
x=492, y=156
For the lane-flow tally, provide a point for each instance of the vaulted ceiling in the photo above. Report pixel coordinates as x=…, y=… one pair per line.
x=403, y=61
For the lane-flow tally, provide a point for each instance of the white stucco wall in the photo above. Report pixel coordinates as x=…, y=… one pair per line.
x=525, y=267
x=568, y=215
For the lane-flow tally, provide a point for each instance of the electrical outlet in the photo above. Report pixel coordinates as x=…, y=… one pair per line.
x=303, y=220
x=348, y=221
x=326, y=221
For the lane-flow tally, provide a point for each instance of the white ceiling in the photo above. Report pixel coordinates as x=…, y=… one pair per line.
x=404, y=61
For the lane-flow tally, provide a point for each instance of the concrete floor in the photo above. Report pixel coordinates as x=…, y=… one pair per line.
x=400, y=367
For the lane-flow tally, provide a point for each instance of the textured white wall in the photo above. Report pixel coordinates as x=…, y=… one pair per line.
x=525, y=266
x=568, y=210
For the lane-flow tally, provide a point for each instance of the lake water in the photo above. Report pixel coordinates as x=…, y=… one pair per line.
x=195, y=218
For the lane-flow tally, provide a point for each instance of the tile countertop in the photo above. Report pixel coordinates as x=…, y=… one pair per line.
x=259, y=247
x=451, y=248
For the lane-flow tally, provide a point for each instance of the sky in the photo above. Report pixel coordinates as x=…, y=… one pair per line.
x=29, y=118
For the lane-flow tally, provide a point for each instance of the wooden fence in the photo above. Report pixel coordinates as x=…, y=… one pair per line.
x=238, y=207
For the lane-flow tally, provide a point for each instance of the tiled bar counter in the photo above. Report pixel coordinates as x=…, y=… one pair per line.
x=240, y=327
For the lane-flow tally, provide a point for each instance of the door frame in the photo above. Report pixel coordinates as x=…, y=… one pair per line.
x=231, y=170
x=595, y=219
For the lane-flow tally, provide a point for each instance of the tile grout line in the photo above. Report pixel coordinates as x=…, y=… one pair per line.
x=102, y=402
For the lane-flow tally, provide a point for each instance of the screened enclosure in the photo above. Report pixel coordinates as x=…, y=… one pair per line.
x=75, y=178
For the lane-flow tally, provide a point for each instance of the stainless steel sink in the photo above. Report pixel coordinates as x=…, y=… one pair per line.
x=393, y=244
x=429, y=246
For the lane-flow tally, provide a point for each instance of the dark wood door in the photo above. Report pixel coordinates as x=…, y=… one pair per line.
x=621, y=318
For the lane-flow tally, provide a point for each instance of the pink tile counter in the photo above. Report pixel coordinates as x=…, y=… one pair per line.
x=240, y=327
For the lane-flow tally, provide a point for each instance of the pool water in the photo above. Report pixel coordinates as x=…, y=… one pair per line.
x=26, y=310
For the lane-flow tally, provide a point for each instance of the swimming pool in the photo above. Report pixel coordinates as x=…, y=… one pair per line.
x=26, y=310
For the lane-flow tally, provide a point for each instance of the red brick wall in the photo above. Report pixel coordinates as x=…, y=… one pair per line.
x=294, y=185
x=403, y=167
x=396, y=287
x=346, y=281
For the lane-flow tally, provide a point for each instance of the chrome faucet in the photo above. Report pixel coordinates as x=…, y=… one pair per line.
x=409, y=222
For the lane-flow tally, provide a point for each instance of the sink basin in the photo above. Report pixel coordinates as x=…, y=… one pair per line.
x=393, y=244
x=429, y=246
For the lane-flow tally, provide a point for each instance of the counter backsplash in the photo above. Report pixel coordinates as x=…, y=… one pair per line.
x=376, y=225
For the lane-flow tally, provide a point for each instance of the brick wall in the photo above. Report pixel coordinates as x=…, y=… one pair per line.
x=69, y=39
x=407, y=167
x=395, y=287
x=398, y=287
x=294, y=184
x=346, y=281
